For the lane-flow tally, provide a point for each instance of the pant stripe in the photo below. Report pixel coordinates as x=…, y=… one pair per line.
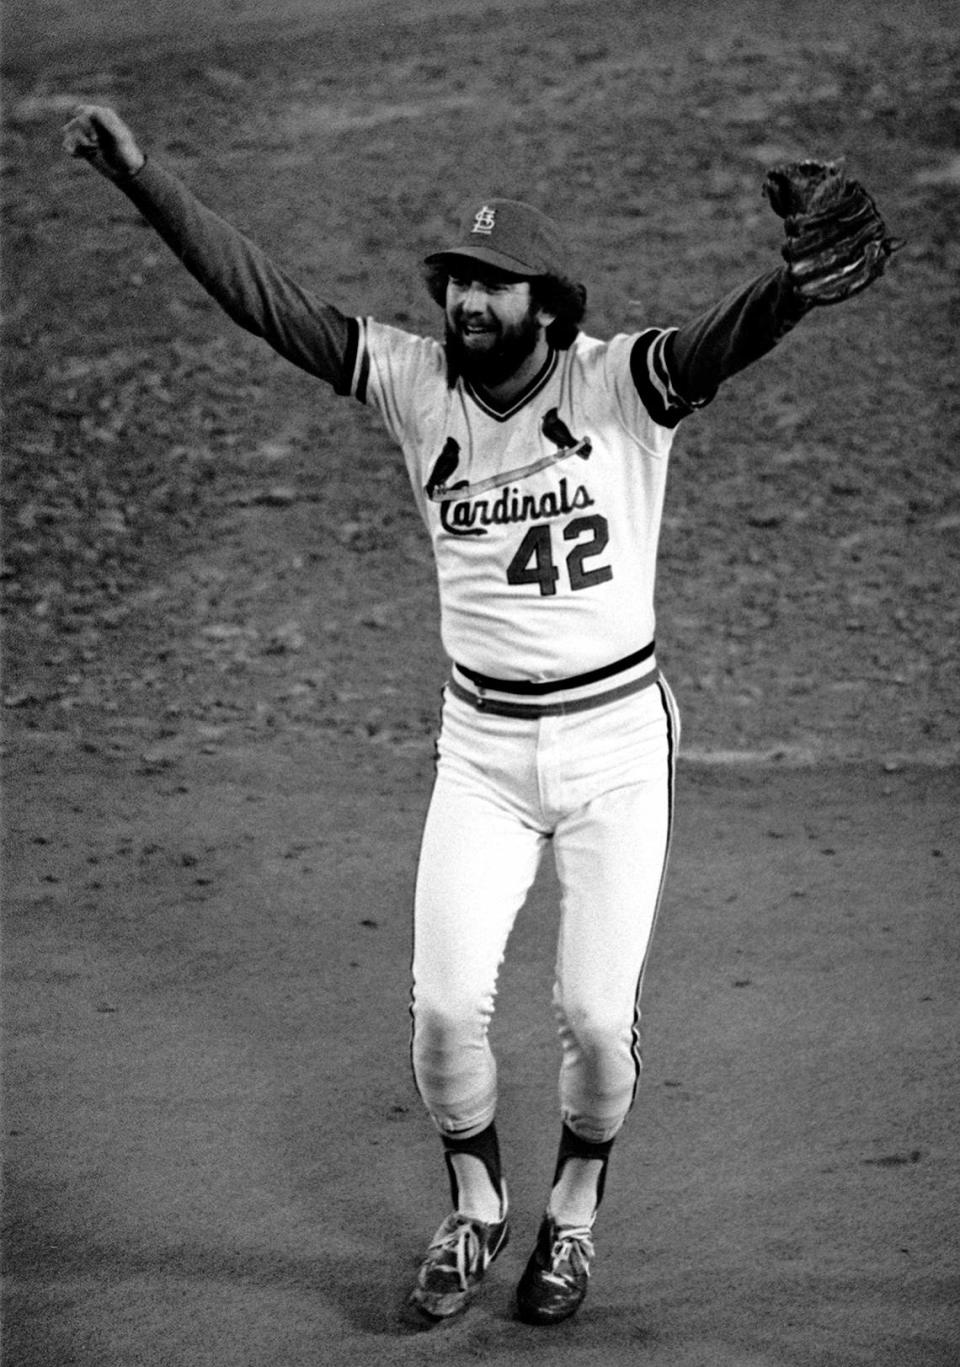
x=673, y=736
x=411, y=1008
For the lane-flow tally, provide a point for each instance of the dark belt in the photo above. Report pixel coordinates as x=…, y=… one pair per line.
x=530, y=688
x=500, y=707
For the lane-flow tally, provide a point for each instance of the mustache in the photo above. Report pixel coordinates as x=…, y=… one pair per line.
x=460, y=322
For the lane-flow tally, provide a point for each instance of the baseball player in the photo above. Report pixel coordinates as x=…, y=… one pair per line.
x=537, y=457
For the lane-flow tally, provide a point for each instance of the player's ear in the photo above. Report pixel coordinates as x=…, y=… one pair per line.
x=540, y=300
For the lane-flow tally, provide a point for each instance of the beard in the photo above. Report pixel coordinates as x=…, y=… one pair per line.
x=495, y=362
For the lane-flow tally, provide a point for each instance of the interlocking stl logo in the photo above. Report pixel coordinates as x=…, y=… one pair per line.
x=485, y=220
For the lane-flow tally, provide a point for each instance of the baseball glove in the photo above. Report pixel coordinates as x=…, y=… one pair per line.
x=837, y=243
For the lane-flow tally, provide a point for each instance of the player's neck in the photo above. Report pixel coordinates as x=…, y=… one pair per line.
x=503, y=394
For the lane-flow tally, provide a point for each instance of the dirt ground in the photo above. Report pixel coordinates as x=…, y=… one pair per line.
x=221, y=681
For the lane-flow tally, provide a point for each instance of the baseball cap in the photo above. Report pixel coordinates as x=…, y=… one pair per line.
x=509, y=235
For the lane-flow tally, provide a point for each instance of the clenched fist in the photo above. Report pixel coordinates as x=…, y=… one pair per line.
x=100, y=136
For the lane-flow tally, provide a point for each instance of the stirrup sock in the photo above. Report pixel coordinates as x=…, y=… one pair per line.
x=476, y=1178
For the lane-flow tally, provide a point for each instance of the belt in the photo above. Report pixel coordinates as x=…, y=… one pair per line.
x=499, y=708
x=530, y=686
x=478, y=696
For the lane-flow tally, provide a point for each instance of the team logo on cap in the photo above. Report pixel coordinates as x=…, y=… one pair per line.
x=484, y=221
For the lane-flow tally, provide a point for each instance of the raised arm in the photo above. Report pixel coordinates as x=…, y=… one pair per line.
x=255, y=292
x=836, y=245
x=746, y=324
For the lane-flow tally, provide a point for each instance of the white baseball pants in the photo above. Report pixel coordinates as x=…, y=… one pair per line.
x=597, y=783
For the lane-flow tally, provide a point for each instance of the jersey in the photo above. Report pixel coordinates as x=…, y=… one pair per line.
x=545, y=527
x=545, y=518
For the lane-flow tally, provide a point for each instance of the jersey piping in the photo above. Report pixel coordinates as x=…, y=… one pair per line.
x=650, y=371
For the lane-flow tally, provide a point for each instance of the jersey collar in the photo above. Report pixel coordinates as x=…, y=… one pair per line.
x=524, y=397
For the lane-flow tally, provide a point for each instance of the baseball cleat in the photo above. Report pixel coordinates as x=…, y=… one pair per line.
x=554, y=1282
x=457, y=1259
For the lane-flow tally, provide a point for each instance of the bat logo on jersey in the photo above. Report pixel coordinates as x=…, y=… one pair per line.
x=464, y=513
x=439, y=489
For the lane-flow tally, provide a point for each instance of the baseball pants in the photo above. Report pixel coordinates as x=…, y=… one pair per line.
x=599, y=785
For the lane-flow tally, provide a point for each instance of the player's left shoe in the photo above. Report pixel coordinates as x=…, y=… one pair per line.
x=457, y=1260
x=554, y=1282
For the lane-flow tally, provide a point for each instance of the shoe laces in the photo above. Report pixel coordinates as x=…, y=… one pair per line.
x=571, y=1251
x=458, y=1248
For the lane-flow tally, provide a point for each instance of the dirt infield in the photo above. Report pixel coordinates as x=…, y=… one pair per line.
x=221, y=675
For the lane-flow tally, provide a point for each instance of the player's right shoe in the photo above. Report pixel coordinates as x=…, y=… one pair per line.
x=458, y=1257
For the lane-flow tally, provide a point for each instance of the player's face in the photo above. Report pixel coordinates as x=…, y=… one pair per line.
x=492, y=324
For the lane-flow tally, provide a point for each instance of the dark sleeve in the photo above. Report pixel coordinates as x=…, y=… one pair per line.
x=256, y=293
x=690, y=363
x=726, y=338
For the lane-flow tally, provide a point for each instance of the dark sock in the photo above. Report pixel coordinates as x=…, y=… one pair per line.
x=572, y=1146
x=486, y=1147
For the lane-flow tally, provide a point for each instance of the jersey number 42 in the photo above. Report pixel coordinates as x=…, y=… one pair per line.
x=534, y=562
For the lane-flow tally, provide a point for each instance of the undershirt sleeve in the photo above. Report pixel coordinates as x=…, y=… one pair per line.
x=256, y=293
x=730, y=335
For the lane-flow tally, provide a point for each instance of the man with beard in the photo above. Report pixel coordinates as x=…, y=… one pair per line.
x=537, y=456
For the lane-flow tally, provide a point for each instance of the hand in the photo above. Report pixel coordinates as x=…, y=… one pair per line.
x=99, y=136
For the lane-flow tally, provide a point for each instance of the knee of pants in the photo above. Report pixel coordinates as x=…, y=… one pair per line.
x=445, y=1028
x=597, y=1031
x=454, y=1068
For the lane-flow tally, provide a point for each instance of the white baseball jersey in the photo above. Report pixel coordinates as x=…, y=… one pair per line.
x=548, y=574
x=545, y=573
